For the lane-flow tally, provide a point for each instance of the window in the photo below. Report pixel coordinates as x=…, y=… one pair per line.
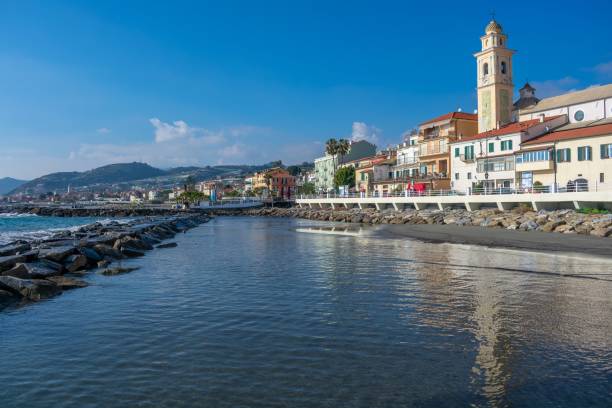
x=491, y=147
x=606, y=151
x=585, y=153
x=456, y=176
x=506, y=145
x=485, y=69
x=469, y=176
x=497, y=164
x=457, y=152
x=503, y=65
x=601, y=177
x=564, y=155
x=501, y=42
x=527, y=157
x=578, y=116
x=468, y=151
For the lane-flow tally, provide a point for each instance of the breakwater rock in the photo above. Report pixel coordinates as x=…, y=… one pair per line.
x=55, y=211
x=560, y=221
x=36, y=270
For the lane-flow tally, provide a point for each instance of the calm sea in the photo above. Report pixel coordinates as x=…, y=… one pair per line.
x=262, y=312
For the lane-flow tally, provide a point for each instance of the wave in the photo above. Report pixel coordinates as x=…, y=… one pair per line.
x=16, y=215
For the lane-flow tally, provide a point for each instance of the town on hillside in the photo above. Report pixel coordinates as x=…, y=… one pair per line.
x=550, y=145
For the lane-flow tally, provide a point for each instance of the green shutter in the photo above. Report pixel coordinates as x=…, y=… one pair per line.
x=491, y=147
x=509, y=144
x=457, y=152
x=559, y=152
x=580, y=153
x=589, y=153
x=568, y=157
x=603, y=150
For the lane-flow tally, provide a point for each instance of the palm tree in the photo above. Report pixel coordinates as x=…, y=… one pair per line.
x=343, y=148
x=331, y=148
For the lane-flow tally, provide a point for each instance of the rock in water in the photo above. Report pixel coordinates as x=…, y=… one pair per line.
x=90, y=254
x=168, y=245
x=118, y=271
x=57, y=254
x=14, y=249
x=75, y=262
x=131, y=252
x=36, y=270
x=108, y=251
x=67, y=283
x=32, y=289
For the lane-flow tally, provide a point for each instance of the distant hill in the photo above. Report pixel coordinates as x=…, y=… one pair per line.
x=113, y=173
x=123, y=176
x=7, y=184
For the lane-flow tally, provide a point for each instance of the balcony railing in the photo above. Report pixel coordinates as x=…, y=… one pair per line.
x=431, y=150
x=466, y=158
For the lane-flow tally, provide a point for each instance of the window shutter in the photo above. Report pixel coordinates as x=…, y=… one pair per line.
x=559, y=152
x=568, y=155
x=457, y=152
x=580, y=153
x=603, y=150
x=509, y=144
x=589, y=153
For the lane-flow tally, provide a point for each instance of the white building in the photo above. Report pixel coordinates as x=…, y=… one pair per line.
x=591, y=104
x=407, y=158
x=153, y=195
x=486, y=160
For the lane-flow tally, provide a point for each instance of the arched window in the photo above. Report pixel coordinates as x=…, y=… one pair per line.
x=501, y=42
x=485, y=69
x=503, y=67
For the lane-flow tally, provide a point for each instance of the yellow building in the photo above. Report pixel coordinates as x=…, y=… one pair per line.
x=434, y=138
x=495, y=88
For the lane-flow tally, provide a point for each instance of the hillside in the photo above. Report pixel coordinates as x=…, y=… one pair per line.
x=7, y=184
x=124, y=176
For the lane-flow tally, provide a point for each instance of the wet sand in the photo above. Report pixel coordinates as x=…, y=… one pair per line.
x=502, y=238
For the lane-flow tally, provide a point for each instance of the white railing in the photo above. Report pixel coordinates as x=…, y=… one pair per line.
x=539, y=189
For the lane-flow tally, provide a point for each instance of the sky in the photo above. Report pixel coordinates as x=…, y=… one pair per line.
x=88, y=83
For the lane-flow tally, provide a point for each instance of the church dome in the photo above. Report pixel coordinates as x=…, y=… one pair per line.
x=493, y=27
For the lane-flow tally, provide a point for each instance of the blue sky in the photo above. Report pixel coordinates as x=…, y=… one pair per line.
x=86, y=83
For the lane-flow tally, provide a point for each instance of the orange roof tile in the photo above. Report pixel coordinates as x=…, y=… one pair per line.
x=508, y=129
x=597, y=130
x=452, y=115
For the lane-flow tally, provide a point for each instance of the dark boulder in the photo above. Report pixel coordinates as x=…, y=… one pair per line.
x=65, y=282
x=57, y=254
x=91, y=254
x=108, y=251
x=8, y=262
x=75, y=262
x=118, y=271
x=131, y=252
x=32, y=289
x=14, y=248
x=36, y=270
x=168, y=245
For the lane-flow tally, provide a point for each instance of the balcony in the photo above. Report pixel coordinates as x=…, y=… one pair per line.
x=432, y=150
x=466, y=158
x=540, y=165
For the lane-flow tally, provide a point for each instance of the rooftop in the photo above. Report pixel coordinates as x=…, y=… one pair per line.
x=586, y=95
x=575, y=133
x=452, y=115
x=509, y=129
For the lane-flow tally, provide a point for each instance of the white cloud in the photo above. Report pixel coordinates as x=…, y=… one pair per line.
x=165, y=132
x=554, y=87
x=362, y=131
x=103, y=131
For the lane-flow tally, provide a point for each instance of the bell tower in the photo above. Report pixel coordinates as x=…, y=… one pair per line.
x=494, y=73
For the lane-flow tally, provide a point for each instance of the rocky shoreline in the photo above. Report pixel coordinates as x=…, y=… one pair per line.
x=52, y=211
x=36, y=270
x=519, y=219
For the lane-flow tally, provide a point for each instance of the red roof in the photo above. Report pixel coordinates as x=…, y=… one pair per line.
x=508, y=129
x=597, y=130
x=452, y=115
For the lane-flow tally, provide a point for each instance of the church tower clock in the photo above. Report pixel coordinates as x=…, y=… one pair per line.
x=495, y=88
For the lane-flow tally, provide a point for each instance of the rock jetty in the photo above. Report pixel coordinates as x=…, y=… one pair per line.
x=36, y=270
x=559, y=221
x=119, y=211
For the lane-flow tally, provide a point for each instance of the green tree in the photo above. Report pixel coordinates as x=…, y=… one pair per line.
x=343, y=148
x=294, y=170
x=345, y=176
x=307, y=188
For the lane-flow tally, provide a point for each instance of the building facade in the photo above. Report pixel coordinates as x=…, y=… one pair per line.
x=275, y=182
x=433, y=146
x=325, y=167
x=486, y=161
x=570, y=159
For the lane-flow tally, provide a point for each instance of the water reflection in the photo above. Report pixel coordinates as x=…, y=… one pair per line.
x=282, y=312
